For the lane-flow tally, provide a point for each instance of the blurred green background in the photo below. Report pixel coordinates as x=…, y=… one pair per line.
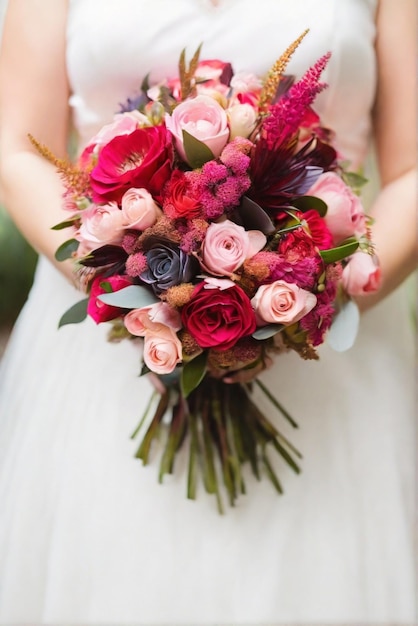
x=17, y=265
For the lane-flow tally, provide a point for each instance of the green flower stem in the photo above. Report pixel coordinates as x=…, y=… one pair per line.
x=177, y=429
x=144, y=415
x=276, y=403
x=144, y=448
x=194, y=453
x=217, y=410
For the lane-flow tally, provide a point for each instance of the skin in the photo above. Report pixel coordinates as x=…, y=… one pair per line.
x=34, y=98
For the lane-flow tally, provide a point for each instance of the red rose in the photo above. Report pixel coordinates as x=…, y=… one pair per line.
x=296, y=245
x=98, y=310
x=141, y=159
x=321, y=234
x=216, y=316
x=178, y=200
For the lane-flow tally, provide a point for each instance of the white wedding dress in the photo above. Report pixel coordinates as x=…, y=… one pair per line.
x=87, y=535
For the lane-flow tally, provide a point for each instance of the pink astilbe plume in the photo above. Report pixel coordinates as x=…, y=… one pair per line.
x=286, y=116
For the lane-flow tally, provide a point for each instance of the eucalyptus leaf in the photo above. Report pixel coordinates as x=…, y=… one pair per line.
x=76, y=314
x=341, y=252
x=197, y=153
x=307, y=203
x=354, y=180
x=65, y=224
x=265, y=332
x=193, y=373
x=131, y=297
x=343, y=332
x=66, y=250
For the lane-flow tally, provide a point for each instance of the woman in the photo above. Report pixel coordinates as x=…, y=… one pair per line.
x=86, y=534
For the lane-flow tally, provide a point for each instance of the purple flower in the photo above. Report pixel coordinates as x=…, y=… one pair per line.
x=167, y=266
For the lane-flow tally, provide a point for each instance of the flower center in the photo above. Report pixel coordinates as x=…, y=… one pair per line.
x=132, y=161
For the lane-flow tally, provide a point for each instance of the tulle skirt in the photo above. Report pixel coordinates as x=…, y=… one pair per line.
x=88, y=536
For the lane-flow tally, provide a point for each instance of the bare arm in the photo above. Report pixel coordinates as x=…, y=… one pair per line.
x=395, y=230
x=34, y=99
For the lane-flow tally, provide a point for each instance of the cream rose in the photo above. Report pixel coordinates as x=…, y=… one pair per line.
x=227, y=245
x=203, y=118
x=139, y=211
x=242, y=120
x=281, y=303
x=345, y=216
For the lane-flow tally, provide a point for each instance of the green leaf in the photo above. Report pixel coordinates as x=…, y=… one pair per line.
x=131, y=297
x=341, y=252
x=76, y=314
x=354, y=180
x=65, y=224
x=66, y=250
x=197, y=153
x=265, y=332
x=106, y=286
x=193, y=373
x=307, y=203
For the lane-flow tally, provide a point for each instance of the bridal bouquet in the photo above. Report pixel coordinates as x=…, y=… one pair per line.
x=214, y=220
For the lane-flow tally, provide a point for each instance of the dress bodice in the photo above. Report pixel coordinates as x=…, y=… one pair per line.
x=107, y=60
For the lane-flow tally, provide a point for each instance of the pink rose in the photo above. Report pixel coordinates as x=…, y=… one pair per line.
x=123, y=124
x=243, y=82
x=162, y=350
x=214, y=70
x=227, y=245
x=282, y=303
x=97, y=309
x=139, y=210
x=242, y=120
x=152, y=318
x=203, y=118
x=362, y=274
x=101, y=224
x=345, y=216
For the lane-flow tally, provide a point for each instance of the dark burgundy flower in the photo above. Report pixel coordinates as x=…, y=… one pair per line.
x=141, y=159
x=167, y=266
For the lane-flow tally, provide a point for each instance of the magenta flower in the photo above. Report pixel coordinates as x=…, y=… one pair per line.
x=142, y=159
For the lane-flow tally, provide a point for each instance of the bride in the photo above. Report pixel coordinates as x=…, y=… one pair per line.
x=87, y=535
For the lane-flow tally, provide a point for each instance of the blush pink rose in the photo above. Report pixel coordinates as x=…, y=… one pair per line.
x=282, y=303
x=162, y=350
x=345, y=216
x=361, y=275
x=242, y=119
x=152, y=318
x=139, y=211
x=101, y=224
x=226, y=246
x=122, y=124
x=203, y=118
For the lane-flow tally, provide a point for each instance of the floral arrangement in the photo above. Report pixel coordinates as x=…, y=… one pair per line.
x=214, y=220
